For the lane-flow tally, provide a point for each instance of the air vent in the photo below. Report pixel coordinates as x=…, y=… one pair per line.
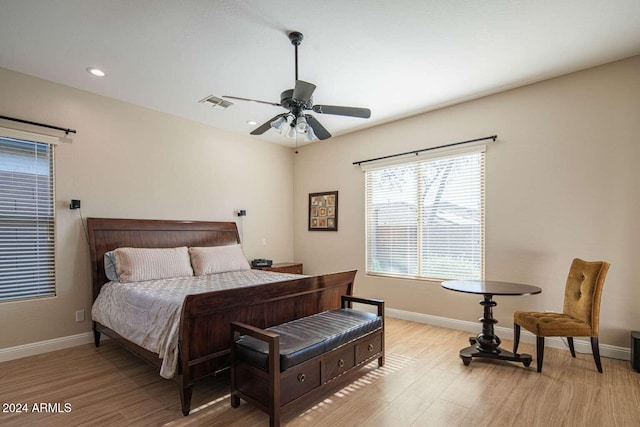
x=216, y=102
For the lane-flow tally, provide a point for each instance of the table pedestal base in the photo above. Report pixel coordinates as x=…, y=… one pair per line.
x=487, y=344
x=466, y=354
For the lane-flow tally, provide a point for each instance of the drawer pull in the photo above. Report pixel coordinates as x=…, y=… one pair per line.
x=301, y=378
x=370, y=347
x=341, y=363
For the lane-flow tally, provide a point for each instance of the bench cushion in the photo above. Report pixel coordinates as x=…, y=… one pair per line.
x=308, y=337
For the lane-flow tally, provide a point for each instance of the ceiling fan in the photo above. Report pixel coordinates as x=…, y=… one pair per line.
x=298, y=100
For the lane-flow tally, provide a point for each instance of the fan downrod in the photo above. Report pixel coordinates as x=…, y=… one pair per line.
x=296, y=38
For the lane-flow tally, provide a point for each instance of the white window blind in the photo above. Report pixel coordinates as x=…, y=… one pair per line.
x=27, y=246
x=425, y=219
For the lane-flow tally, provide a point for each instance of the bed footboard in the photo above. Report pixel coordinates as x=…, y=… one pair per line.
x=204, y=342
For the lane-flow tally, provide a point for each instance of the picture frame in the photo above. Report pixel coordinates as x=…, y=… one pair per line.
x=323, y=211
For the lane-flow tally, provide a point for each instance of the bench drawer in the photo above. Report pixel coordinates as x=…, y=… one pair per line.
x=298, y=380
x=338, y=362
x=368, y=348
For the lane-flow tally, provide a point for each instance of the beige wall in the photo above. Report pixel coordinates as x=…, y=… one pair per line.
x=131, y=162
x=562, y=182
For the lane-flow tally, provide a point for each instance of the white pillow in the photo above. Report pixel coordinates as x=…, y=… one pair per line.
x=218, y=259
x=140, y=264
x=110, y=266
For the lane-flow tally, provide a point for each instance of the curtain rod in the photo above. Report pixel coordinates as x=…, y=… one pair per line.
x=65, y=130
x=416, y=152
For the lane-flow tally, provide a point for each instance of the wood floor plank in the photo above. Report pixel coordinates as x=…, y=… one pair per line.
x=422, y=383
x=441, y=413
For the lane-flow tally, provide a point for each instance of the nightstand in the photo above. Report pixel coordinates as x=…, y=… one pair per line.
x=283, y=267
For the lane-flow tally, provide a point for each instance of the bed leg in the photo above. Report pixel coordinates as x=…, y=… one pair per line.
x=96, y=337
x=185, y=399
x=235, y=401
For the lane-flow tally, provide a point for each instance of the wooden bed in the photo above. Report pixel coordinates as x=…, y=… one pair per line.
x=204, y=336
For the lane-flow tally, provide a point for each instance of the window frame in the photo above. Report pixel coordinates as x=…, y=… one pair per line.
x=426, y=157
x=39, y=261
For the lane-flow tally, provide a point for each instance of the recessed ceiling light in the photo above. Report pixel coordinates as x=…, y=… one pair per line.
x=251, y=122
x=96, y=72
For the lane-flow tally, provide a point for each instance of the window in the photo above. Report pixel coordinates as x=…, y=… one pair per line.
x=425, y=218
x=27, y=246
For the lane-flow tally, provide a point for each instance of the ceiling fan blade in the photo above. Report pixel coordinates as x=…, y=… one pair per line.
x=252, y=100
x=303, y=91
x=266, y=126
x=318, y=129
x=364, y=113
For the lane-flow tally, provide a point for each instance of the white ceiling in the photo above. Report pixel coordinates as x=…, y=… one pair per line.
x=398, y=58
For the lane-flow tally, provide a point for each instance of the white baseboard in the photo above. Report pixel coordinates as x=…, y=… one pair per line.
x=35, y=348
x=581, y=345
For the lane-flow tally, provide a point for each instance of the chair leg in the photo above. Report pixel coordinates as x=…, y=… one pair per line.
x=571, y=347
x=540, y=352
x=516, y=337
x=596, y=353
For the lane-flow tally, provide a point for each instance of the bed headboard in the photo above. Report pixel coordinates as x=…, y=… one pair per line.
x=106, y=234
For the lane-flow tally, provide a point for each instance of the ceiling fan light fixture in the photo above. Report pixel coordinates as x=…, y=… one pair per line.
x=290, y=132
x=301, y=124
x=309, y=135
x=279, y=123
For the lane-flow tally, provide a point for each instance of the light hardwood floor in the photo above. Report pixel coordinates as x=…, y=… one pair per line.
x=423, y=383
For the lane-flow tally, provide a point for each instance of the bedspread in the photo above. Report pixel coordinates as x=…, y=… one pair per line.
x=148, y=313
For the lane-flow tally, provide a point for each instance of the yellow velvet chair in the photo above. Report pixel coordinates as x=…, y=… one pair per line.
x=580, y=315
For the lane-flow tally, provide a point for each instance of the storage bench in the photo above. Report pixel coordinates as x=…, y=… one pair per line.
x=275, y=367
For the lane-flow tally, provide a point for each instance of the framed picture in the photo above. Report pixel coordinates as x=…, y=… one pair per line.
x=323, y=211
